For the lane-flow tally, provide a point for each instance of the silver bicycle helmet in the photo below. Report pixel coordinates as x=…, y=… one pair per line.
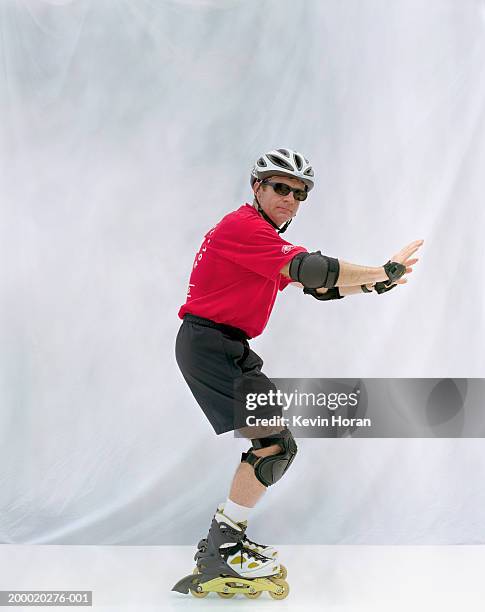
x=283, y=162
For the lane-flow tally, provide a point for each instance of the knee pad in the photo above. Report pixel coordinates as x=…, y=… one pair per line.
x=269, y=470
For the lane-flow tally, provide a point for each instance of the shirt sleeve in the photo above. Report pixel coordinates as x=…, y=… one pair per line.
x=284, y=282
x=262, y=251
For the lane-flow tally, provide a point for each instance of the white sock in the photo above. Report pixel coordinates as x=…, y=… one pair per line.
x=236, y=512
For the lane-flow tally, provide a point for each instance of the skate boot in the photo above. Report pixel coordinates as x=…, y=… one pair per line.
x=263, y=549
x=226, y=567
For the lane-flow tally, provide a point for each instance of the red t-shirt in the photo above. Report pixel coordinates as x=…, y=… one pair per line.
x=236, y=272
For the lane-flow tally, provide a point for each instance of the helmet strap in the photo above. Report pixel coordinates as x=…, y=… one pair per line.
x=280, y=230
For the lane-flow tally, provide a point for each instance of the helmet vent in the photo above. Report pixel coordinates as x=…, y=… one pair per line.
x=261, y=162
x=284, y=152
x=298, y=162
x=277, y=161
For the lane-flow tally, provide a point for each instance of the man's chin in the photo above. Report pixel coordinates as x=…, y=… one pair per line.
x=283, y=219
x=280, y=220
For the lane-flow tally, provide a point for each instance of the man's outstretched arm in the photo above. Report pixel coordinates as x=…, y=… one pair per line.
x=315, y=270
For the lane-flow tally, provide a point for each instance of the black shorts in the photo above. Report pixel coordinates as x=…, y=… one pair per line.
x=220, y=369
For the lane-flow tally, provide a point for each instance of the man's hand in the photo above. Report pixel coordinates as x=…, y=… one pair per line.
x=404, y=257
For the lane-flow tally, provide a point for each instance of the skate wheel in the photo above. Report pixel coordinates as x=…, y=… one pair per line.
x=284, y=589
x=226, y=595
x=253, y=595
x=199, y=594
x=283, y=573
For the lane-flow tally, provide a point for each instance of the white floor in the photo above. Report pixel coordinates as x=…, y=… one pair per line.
x=343, y=578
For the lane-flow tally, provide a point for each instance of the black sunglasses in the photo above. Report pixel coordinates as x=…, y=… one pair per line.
x=283, y=189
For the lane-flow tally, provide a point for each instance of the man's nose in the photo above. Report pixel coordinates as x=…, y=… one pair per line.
x=289, y=198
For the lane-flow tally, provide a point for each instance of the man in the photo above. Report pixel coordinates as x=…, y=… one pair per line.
x=236, y=275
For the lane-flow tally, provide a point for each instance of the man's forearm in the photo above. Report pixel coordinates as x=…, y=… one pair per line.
x=351, y=275
x=351, y=290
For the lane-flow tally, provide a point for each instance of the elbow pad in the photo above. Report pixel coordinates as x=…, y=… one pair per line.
x=314, y=270
x=331, y=294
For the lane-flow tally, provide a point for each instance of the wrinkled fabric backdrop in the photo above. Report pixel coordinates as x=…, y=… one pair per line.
x=128, y=129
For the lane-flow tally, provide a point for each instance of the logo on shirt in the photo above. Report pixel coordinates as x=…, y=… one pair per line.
x=287, y=248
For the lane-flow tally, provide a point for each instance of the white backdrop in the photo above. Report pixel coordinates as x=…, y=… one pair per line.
x=128, y=128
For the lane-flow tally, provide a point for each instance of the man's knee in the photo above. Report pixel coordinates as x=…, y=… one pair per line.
x=269, y=468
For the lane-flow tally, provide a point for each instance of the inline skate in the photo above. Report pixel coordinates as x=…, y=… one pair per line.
x=263, y=549
x=226, y=566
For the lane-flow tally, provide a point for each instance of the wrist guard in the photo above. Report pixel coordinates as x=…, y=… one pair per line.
x=394, y=270
x=379, y=288
x=331, y=294
x=384, y=286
